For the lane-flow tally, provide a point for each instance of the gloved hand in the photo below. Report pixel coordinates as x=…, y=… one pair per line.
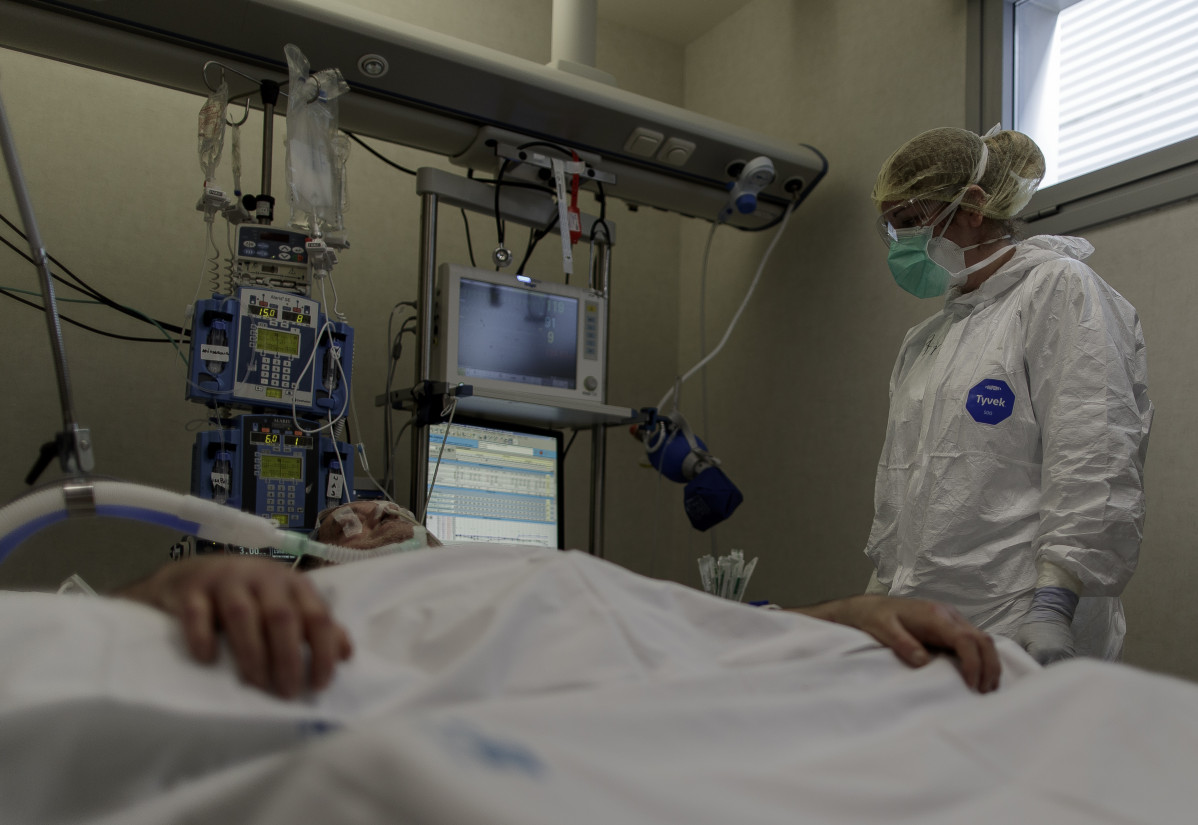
x=1047, y=631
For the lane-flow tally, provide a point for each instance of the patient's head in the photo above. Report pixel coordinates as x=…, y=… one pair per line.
x=365, y=524
x=368, y=525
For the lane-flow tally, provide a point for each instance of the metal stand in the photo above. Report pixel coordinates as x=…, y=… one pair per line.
x=72, y=445
x=533, y=209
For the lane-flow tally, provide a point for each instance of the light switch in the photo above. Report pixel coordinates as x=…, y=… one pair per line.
x=643, y=142
x=676, y=151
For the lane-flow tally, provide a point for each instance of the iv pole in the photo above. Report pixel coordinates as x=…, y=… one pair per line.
x=72, y=445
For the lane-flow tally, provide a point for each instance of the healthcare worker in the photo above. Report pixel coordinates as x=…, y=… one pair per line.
x=1011, y=480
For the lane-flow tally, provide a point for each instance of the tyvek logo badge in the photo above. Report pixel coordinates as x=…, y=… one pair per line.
x=990, y=402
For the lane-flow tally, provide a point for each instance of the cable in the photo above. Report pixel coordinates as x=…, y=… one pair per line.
x=499, y=225
x=703, y=349
x=731, y=326
x=534, y=238
x=372, y=151
x=36, y=294
x=566, y=449
x=703, y=319
x=81, y=325
x=230, y=274
x=361, y=448
x=83, y=286
x=311, y=362
x=499, y=182
x=336, y=297
x=395, y=344
x=340, y=458
x=469, y=244
x=452, y=408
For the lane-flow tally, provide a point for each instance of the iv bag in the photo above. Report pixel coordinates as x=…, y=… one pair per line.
x=314, y=173
x=212, y=131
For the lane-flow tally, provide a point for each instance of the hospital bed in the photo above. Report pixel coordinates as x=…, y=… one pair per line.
x=496, y=684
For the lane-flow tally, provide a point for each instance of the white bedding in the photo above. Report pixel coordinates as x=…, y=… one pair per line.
x=509, y=685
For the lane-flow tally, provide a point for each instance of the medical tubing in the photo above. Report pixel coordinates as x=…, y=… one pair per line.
x=361, y=446
x=732, y=325
x=703, y=315
x=183, y=513
x=453, y=408
x=326, y=327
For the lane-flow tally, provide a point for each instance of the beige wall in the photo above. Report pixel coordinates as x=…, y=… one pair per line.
x=113, y=173
x=802, y=391
x=797, y=401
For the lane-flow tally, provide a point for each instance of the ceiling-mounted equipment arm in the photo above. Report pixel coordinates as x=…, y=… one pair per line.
x=426, y=90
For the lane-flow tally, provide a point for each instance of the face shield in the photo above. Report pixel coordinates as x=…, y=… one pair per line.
x=920, y=215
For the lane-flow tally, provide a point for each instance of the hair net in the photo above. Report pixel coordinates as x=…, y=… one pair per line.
x=939, y=164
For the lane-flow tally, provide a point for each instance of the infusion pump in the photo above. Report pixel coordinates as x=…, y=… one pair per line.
x=271, y=257
x=268, y=348
x=273, y=466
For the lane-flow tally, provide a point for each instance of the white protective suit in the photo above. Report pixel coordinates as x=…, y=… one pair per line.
x=1018, y=428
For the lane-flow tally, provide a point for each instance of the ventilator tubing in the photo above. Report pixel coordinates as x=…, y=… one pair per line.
x=119, y=499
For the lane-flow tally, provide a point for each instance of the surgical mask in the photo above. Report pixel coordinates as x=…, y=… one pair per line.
x=927, y=266
x=912, y=267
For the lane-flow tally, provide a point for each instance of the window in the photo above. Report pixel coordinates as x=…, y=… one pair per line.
x=1107, y=88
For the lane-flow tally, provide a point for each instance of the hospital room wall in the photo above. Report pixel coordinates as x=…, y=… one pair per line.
x=798, y=402
x=112, y=169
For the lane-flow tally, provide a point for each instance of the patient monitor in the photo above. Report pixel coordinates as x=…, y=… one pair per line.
x=513, y=335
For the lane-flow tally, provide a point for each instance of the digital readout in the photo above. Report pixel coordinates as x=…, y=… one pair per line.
x=272, y=340
x=297, y=317
x=281, y=439
x=279, y=466
x=264, y=312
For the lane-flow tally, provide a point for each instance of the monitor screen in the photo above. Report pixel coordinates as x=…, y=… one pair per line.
x=496, y=482
x=519, y=335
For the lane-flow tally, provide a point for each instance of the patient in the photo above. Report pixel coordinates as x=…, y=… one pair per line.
x=367, y=525
x=283, y=638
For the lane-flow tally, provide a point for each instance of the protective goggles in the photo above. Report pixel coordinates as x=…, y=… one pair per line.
x=914, y=213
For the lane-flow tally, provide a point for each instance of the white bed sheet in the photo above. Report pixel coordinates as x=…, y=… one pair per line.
x=501, y=685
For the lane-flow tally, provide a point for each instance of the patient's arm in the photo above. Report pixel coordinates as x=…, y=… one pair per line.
x=911, y=626
x=267, y=611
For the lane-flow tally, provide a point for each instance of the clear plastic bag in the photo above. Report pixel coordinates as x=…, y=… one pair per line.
x=315, y=166
x=212, y=131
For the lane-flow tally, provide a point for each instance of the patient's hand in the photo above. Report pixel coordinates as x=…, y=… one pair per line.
x=267, y=611
x=910, y=626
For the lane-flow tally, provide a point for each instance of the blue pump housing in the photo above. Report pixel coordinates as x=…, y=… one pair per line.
x=256, y=351
x=264, y=465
